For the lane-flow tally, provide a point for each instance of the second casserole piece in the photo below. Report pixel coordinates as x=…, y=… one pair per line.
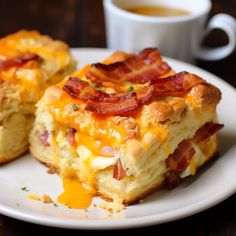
x=29, y=63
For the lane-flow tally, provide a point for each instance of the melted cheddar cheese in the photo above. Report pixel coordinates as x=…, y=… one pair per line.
x=33, y=77
x=75, y=195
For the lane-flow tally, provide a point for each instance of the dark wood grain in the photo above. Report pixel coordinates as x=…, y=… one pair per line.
x=1, y=225
x=78, y=22
x=81, y=24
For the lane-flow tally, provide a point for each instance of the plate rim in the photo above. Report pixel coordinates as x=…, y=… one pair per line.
x=116, y=224
x=140, y=221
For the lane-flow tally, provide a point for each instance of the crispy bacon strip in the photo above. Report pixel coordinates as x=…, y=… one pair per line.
x=140, y=68
x=123, y=103
x=100, y=102
x=176, y=85
x=119, y=173
x=206, y=132
x=113, y=97
x=71, y=136
x=113, y=108
x=172, y=179
x=180, y=159
x=78, y=88
x=74, y=86
x=145, y=95
x=18, y=61
x=44, y=139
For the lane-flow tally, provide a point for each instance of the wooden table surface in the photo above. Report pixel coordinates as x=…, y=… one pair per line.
x=81, y=24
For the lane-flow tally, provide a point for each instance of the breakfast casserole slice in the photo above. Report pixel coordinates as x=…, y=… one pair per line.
x=124, y=127
x=29, y=63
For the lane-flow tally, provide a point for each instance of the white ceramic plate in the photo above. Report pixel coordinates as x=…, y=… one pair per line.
x=213, y=184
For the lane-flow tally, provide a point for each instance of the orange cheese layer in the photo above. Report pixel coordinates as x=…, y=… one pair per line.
x=28, y=78
x=95, y=132
x=32, y=76
x=92, y=131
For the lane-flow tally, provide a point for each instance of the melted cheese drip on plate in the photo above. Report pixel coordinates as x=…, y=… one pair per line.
x=75, y=195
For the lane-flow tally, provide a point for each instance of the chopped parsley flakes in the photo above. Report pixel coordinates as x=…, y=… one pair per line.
x=101, y=89
x=130, y=88
x=94, y=85
x=25, y=189
x=75, y=107
x=97, y=86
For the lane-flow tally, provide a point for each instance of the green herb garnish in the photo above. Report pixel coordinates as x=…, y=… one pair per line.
x=75, y=107
x=101, y=89
x=25, y=189
x=94, y=85
x=130, y=88
x=55, y=205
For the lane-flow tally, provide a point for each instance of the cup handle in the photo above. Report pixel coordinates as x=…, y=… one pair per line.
x=226, y=23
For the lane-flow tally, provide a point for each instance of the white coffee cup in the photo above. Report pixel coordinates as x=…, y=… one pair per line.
x=178, y=37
